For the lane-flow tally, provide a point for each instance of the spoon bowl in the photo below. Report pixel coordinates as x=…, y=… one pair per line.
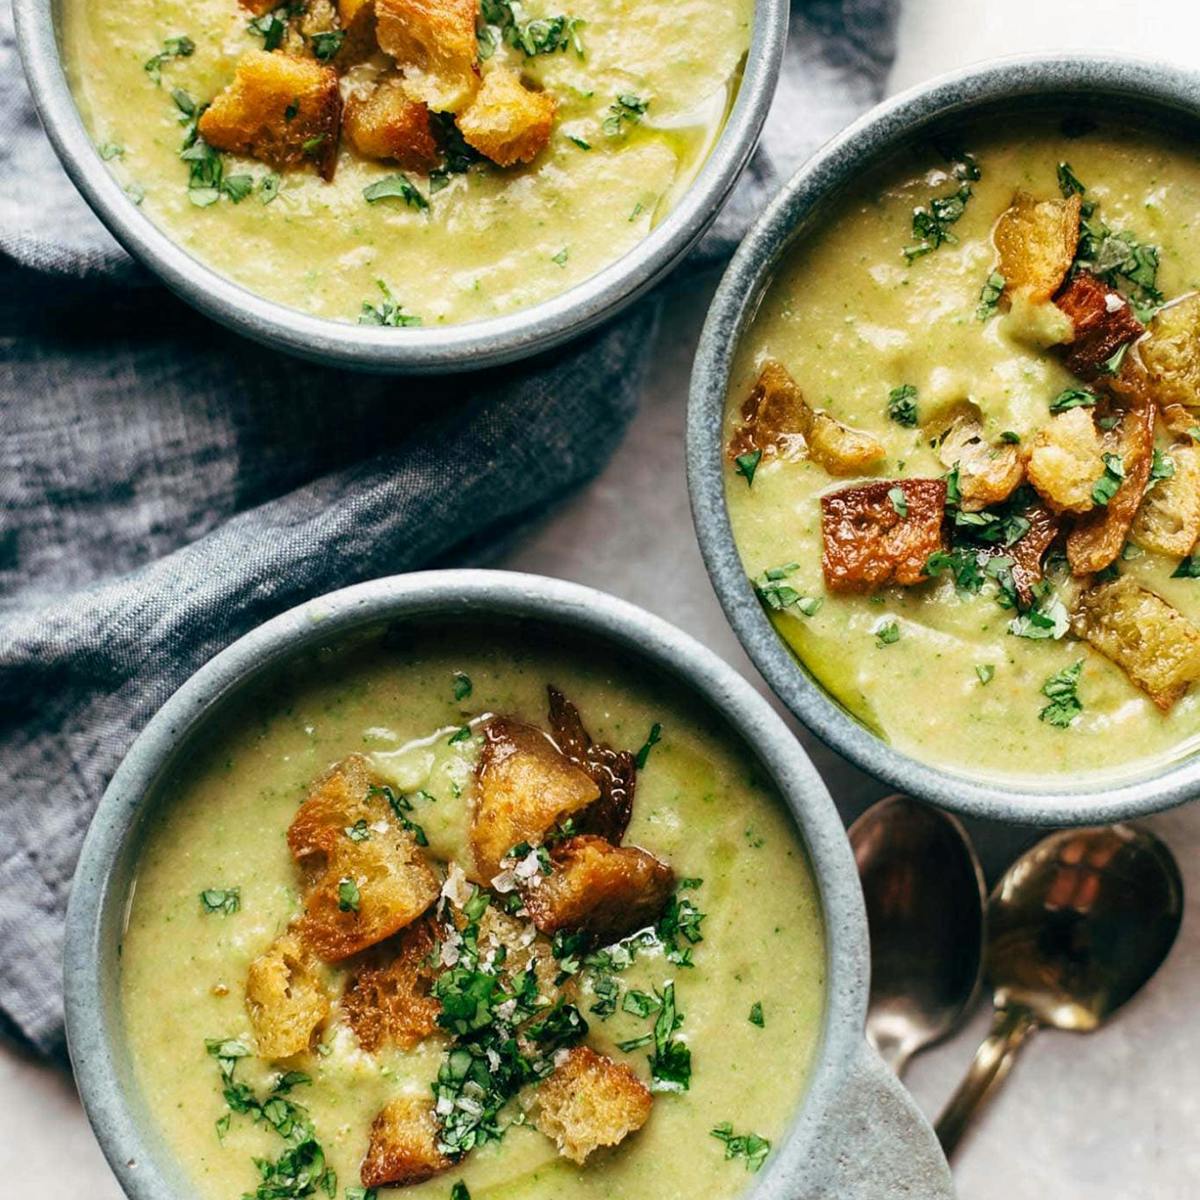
x=925, y=899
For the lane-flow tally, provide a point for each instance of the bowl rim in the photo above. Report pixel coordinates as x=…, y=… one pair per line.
x=468, y=346
x=102, y=886
x=982, y=86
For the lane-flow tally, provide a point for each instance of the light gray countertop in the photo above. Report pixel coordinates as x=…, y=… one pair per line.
x=1114, y=1114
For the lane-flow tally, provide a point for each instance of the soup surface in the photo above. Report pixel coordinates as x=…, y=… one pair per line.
x=639, y=95
x=1001, y=337
x=738, y=948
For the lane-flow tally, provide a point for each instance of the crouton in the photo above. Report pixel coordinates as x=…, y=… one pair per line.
x=1149, y=639
x=507, y=121
x=357, y=19
x=1168, y=521
x=434, y=45
x=589, y=1101
x=1169, y=358
x=387, y=125
x=525, y=787
x=1098, y=537
x=284, y=997
x=599, y=888
x=319, y=16
x=987, y=474
x=614, y=772
x=282, y=110
x=1036, y=241
x=403, y=1147
x=259, y=8
x=388, y=999
x=776, y=419
x=1103, y=322
x=868, y=543
x=1028, y=551
x=1065, y=459
x=523, y=950
x=356, y=892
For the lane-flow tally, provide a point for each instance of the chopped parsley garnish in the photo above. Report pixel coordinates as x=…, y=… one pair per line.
x=1062, y=691
x=1123, y=262
x=1010, y=437
x=756, y=1014
x=899, y=501
x=459, y=1191
x=1106, y=487
x=627, y=110
x=387, y=312
x=986, y=672
x=931, y=225
x=348, y=894
x=989, y=296
x=361, y=1193
x=774, y=593
x=174, y=47
x=1189, y=568
x=237, y=187
x=1073, y=398
x=111, y=150
x=902, y=405
x=578, y=141
x=635, y=1043
x=747, y=464
x=652, y=740
x=671, y=1062
x=1068, y=182
x=271, y=27
x=887, y=633
x=962, y=563
x=640, y=1004
x=607, y=990
x=225, y=901
x=326, y=45
x=1162, y=466
x=394, y=187
x=1112, y=366
x=462, y=685
x=401, y=806
x=543, y=35
x=269, y=188
x=560, y=259
x=359, y=831
x=1046, y=618
x=750, y=1146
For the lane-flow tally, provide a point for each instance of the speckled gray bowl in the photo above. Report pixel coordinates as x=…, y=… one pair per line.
x=857, y=1132
x=1082, y=83
x=372, y=348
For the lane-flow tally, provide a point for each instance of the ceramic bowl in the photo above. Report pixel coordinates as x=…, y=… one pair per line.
x=1146, y=91
x=856, y=1125
x=459, y=347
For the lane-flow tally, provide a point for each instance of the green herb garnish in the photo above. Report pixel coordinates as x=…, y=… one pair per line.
x=989, y=296
x=387, y=312
x=756, y=1014
x=225, y=901
x=747, y=464
x=931, y=225
x=348, y=894
x=395, y=187
x=652, y=740
x=750, y=1146
x=887, y=633
x=1162, y=466
x=1062, y=691
x=986, y=672
x=326, y=45
x=671, y=1062
x=902, y=405
x=174, y=47
x=1106, y=487
x=779, y=595
x=1073, y=397
x=899, y=501
x=627, y=110
x=1189, y=568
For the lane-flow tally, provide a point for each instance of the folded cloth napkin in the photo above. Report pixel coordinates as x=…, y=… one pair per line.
x=165, y=486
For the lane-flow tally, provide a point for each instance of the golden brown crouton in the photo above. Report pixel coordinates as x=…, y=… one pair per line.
x=590, y=1101
x=776, y=419
x=357, y=19
x=602, y=889
x=1098, y=537
x=282, y=110
x=522, y=950
x=434, y=45
x=284, y=997
x=525, y=787
x=507, y=121
x=403, y=1148
x=614, y=772
x=387, y=125
x=1168, y=521
x=1036, y=240
x=357, y=891
x=319, y=16
x=389, y=998
x=1065, y=459
x=867, y=540
x=1103, y=321
x=1169, y=356
x=1151, y=641
x=987, y=474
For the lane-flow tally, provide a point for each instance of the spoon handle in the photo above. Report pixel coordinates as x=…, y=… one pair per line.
x=1010, y=1027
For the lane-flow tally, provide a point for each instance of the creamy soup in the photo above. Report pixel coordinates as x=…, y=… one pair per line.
x=639, y=94
x=738, y=948
x=1001, y=338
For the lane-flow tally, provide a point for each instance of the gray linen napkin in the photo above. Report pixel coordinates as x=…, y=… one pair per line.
x=165, y=486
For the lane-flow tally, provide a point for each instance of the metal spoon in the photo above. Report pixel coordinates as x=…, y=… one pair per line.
x=925, y=900
x=1075, y=927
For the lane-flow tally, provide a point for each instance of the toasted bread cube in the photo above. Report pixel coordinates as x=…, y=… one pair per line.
x=435, y=48
x=1170, y=357
x=599, y=888
x=507, y=121
x=356, y=892
x=389, y=126
x=251, y=116
x=987, y=474
x=522, y=950
x=403, y=1147
x=284, y=998
x=776, y=419
x=525, y=787
x=1149, y=639
x=320, y=16
x=389, y=1000
x=1168, y=521
x=589, y=1101
x=614, y=772
x=1098, y=538
x=1103, y=321
x=1036, y=240
x=357, y=18
x=1064, y=461
x=867, y=543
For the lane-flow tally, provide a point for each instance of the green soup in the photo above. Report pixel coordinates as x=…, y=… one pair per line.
x=939, y=670
x=751, y=997
x=491, y=241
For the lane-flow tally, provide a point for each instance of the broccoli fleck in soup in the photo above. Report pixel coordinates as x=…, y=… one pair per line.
x=405, y=162
x=431, y=914
x=963, y=450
